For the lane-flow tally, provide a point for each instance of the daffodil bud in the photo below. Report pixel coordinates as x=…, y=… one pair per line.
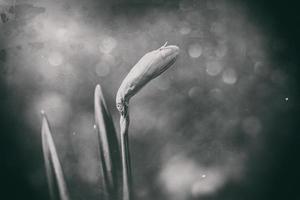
x=147, y=68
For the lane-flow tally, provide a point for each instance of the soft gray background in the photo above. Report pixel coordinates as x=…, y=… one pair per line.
x=217, y=125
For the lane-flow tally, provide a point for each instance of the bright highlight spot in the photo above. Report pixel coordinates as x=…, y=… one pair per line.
x=183, y=177
x=178, y=175
x=229, y=76
x=195, y=50
x=208, y=185
x=213, y=68
x=286, y=98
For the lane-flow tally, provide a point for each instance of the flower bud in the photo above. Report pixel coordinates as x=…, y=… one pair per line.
x=147, y=68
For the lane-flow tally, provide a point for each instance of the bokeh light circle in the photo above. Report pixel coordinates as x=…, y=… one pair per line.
x=194, y=92
x=213, y=68
x=107, y=45
x=55, y=59
x=102, y=70
x=195, y=50
x=229, y=76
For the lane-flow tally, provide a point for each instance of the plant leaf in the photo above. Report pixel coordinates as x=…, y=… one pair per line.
x=56, y=182
x=109, y=148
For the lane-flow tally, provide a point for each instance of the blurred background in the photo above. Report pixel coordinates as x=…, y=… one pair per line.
x=222, y=123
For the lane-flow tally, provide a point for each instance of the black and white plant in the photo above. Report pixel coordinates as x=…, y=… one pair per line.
x=115, y=160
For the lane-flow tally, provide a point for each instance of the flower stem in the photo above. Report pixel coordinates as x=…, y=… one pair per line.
x=125, y=153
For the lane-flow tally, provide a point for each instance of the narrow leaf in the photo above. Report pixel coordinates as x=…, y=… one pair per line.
x=56, y=182
x=109, y=149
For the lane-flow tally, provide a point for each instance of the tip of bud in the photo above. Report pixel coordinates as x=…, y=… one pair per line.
x=171, y=51
x=164, y=45
x=148, y=67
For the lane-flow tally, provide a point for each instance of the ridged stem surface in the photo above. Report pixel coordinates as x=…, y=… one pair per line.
x=125, y=153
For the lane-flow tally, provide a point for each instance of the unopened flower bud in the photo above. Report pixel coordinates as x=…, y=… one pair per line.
x=147, y=68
